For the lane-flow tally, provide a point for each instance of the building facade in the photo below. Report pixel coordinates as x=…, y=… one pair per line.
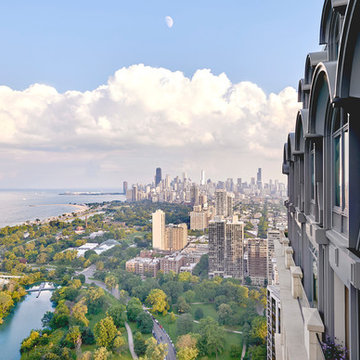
x=175, y=237
x=226, y=248
x=257, y=263
x=172, y=263
x=321, y=160
x=224, y=203
x=158, y=176
x=158, y=230
x=199, y=218
x=273, y=319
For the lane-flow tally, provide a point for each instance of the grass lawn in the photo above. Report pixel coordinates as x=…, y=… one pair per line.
x=135, y=329
x=208, y=309
x=129, y=238
x=230, y=339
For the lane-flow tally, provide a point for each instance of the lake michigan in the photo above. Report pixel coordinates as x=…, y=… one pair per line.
x=18, y=206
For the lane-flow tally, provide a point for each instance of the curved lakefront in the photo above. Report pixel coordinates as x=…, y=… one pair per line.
x=26, y=315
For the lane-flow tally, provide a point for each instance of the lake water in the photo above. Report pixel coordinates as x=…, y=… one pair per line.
x=26, y=316
x=18, y=206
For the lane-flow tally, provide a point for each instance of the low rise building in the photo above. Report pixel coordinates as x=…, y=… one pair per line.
x=172, y=263
x=143, y=266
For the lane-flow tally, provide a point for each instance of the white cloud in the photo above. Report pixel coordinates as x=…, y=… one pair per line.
x=153, y=110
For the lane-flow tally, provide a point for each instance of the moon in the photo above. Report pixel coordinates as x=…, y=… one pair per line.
x=169, y=21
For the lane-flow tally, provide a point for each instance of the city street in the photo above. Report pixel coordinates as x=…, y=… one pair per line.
x=162, y=337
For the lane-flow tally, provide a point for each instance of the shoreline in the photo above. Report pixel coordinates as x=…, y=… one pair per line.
x=78, y=210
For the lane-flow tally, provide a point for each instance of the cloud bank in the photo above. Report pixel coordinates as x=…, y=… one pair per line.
x=152, y=116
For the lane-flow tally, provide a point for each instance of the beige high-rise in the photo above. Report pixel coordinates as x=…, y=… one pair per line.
x=158, y=230
x=175, y=237
x=224, y=203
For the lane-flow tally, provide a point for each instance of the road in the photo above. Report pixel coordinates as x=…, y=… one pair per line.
x=130, y=341
x=162, y=337
x=88, y=273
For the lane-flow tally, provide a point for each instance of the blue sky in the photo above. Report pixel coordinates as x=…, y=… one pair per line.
x=123, y=119
x=79, y=44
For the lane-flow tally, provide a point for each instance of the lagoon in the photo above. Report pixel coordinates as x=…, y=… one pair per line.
x=26, y=315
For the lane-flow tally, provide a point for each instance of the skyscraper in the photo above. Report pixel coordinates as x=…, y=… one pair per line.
x=125, y=187
x=258, y=261
x=224, y=203
x=202, y=177
x=158, y=230
x=158, y=176
x=175, y=237
x=259, y=179
x=226, y=239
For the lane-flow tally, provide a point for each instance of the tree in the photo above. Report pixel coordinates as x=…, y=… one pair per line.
x=139, y=344
x=117, y=312
x=225, y=314
x=202, y=267
x=199, y=314
x=155, y=351
x=86, y=356
x=184, y=324
x=134, y=308
x=172, y=317
x=105, y=332
x=258, y=328
x=119, y=342
x=186, y=347
x=87, y=336
x=101, y=354
x=74, y=336
x=257, y=352
x=189, y=296
x=46, y=319
x=95, y=298
x=144, y=322
x=182, y=306
x=110, y=282
x=247, y=280
x=212, y=339
x=236, y=351
x=6, y=303
x=79, y=312
x=157, y=298
x=173, y=289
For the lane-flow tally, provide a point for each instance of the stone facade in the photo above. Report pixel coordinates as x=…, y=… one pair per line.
x=321, y=160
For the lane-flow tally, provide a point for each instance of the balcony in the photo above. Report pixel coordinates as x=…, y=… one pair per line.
x=301, y=325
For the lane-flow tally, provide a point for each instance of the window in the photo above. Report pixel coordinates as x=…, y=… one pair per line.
x=312, y=170
x=340, y=136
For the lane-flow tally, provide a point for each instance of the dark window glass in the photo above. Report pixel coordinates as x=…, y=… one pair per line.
x=337, y=171
x=312, y=166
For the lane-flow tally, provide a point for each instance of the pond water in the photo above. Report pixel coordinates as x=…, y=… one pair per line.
x=26, y=316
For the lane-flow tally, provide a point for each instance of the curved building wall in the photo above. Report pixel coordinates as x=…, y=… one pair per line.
x=323, y=169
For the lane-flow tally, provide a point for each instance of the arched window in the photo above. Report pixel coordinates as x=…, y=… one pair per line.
x=340, y=145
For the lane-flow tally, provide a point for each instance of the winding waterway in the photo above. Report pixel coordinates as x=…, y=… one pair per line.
x=26, y=316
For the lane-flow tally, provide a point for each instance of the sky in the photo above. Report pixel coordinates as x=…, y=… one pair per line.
x=93, y=93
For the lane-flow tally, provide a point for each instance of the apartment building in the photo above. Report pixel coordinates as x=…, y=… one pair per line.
x=257, y=261
x=226, y=248
x=319, y=264
x=273, y=319
x=175, y=237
